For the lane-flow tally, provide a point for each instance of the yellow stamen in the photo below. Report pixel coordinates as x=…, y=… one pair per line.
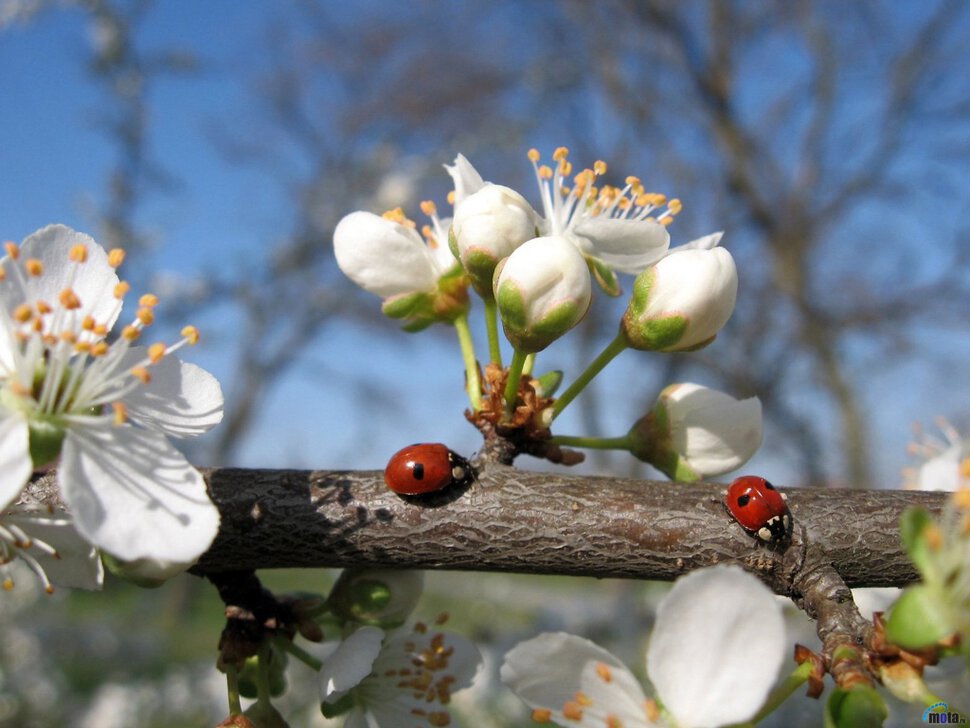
x=603, y=670
x=121, y=289
x=99, y=349
x=100, y=330
x=88, y=323
x=69, y=299
x=34, y=267
x=142, y=374
x=18, y=389
x=545, y=172
x=599, y=167
x=12, y=250
x=130, y=333
x=69, y=337
x=961, y=499
x=82, y=347
x=116, y=256
x=934, y=537
x=651, y=709
x=666, y=220
x=156, y=351
x=79, y=253
x=149, y=299
x=451, y=197
x=533, y=155
x=560, y=154
x=565, y=168
x=145, y=315
x=43, y=307
x=675, y=206
x=8, y=584
x=572, y=711
x=121, y=412
x=3, y=273
x=542, y=715
x=428, y=208
x=23, y=313
x=191, y=334
x=583, y=699
x=613, y=722
x=439, y=719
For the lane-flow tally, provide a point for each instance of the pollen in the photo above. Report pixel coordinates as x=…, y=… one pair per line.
x=99, y=349
x=572, y=710
x=533, y=155
x=23, y=313
x=560, y=154
x=156, y=351
x=542, y=715
x=121, y=289
x=583, y=699
x=603, y=670
x=397, y=215
x=78, y=253
x=145, y=315
x=116, y=256
x=12, y=250
x=191, y=334
x=613, y=722
x=599, y=167
x=451, y=197
x=7, y=583
x=34, y=267
x=545, y=172
x=651, y=710
x=88, y=323
x=3, y=273
x=429, y=208
x=130, y=333
x=43, y=307
x=675, y=206
x=149, y=300
x=121, y=413
x=69, y=299
x=141, y=374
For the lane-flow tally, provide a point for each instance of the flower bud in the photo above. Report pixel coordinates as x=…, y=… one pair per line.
x=694, y=432
x=380, y=597
x=681, y=303
x=542, y=290
x=488, y=225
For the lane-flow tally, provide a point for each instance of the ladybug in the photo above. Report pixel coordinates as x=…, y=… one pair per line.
x=425, y=468
x=759, y=508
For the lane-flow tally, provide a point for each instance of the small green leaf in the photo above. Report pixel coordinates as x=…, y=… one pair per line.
x=919, y=618
x=548, y=383
x=604, y=276
x=406, y=305
x=338, y=707
x=861, y=707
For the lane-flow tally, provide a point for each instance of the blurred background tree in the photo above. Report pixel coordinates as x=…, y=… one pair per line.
x=222, y=143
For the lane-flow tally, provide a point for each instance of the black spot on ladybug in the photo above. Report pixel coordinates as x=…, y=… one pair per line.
x=743, y=500
x=418, y=471
x=769, y=486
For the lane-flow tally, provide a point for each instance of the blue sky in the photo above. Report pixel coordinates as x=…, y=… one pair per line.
x=54, y=161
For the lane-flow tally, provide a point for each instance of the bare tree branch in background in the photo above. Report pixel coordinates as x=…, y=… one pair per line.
x=794, y=159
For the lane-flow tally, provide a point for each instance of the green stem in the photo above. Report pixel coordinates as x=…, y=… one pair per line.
x=232, y=686
x=592, y=443
x=491, y=324
x=472, y=383
x=299, y=653
x=262, y=675
x=512, y=384
x=605, y=357
x=780, y=694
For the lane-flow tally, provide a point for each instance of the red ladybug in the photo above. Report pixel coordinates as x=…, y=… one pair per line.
x=759, y=508
x=425, y=468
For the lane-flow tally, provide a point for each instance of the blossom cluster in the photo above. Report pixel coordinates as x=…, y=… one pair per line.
x=534, y=270
x=77, y=393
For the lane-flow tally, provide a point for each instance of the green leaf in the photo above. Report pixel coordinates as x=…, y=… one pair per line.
x=919, y=618
x=548, y=383
x=861, y=707
x=406, y=305
x=604, y=276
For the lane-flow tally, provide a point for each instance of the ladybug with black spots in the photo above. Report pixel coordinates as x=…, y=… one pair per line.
x=760, y=509
x=425, y=468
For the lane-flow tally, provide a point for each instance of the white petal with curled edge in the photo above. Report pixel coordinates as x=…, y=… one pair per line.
x=15, y=463
x=181, y=399
x=350, y=663
x=382, y=256
x=134, y=495
x=93, y=281
x=627, y=246
x=716, y=648
x=76, y=565
x=547, y=672
x=705, y=242
x=466, y=178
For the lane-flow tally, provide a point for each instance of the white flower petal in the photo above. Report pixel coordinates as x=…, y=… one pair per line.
x=466, y=177
x=941, y=472
x=181, y=399
x=627, y=246
x=76, y=565
x=714, y=432
x=382, y=256
x=134, y=495
x=716, y=648
x=705, y=242
x=351, y=662
x=93, y=283
x=15, y=464
x=549, y=670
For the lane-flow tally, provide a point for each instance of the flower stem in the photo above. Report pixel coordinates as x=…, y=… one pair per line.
x=262, y=674
x=299, y=653
x=795, y=680
x=593, y=443
x=232, y=686
x=472, y=383
x=491, y=324
x=512, y=383
x=605, y=357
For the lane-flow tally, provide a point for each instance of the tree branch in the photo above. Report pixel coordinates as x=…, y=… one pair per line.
x=547, y=523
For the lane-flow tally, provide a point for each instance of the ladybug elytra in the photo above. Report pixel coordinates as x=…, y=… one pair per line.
x=425, y=468
x=759, y=508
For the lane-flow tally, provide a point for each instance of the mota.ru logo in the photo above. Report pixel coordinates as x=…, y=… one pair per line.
x=940, y=714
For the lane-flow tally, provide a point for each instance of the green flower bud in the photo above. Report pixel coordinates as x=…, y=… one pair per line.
x=380, y=597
